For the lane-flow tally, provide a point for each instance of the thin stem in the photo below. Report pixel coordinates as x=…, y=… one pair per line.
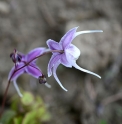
x=4, y=98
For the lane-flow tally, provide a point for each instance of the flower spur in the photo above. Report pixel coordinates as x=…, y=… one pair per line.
x=68, y=54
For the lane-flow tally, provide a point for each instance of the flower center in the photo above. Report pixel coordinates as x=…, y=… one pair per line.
x=61, y=51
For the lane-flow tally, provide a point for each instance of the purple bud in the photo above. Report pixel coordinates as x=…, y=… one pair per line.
x=42, y=79
x=15, y=56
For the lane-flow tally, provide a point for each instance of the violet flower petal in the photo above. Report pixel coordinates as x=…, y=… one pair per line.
x=17, y=88
x=13, y=77
x=17, y=73
x=68, y=37
x=55, y=75
x=64, y=60
x=72, y=52
x=34, y=53
x=33, y=70
x=53, y=45
x=84, y=70
x=52, y=62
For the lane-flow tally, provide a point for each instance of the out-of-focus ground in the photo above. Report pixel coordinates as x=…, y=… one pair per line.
x=27, y=24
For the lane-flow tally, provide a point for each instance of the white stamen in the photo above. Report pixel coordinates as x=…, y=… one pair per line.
x=17, y=88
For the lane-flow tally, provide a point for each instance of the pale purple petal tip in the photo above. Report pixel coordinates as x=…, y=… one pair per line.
x=34, y=53
x=17, y=88
x=68, y=37
x=53, y=45
x=55, y=76
x=84, y=70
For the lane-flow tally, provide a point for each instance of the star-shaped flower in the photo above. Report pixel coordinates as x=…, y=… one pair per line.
x=67, y=55
x=25, y=64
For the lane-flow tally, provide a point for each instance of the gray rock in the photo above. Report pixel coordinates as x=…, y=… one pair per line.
x=4, y=7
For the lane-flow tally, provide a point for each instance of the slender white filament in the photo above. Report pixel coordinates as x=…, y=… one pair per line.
x=17, y=88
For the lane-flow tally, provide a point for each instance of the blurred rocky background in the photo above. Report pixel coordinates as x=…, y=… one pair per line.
x=27, y=24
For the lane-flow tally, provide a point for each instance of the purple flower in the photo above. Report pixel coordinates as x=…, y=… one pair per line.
x=68, y=53
x=26, y=64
